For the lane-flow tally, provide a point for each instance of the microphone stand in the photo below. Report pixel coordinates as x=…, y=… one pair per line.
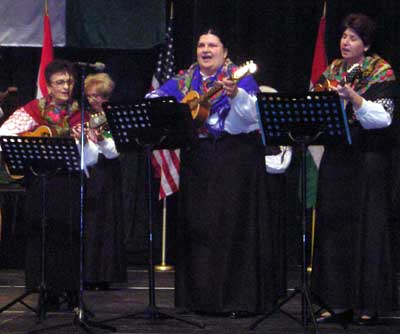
x=80, y=318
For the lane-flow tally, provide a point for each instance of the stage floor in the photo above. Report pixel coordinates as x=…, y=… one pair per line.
x=132, y=297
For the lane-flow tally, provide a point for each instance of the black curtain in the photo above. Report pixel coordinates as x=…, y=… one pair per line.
x=278, y=35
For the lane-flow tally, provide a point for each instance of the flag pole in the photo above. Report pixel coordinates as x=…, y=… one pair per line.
x=163, y=266
x=314, y=211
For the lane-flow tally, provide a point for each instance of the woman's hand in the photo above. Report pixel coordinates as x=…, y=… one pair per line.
x=96, y=135
x=230, y=87
x=76, y=132
x=349, y=94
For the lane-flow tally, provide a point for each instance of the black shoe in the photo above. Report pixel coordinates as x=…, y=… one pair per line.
x=88, y=286
x=52, y=302
x=72, y=300
x=96, y=286
x=372, y=321
x=241, y=314
x=103, y=286
x=342, y=318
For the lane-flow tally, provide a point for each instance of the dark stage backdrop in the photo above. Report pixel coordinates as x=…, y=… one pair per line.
x=279, y=35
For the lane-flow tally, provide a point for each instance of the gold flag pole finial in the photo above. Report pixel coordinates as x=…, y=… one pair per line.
x=46, y=7
x=324, y=11
x=171, y=12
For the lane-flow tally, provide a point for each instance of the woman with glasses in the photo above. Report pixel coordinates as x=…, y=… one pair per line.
x=61, y=115
x=105, y=260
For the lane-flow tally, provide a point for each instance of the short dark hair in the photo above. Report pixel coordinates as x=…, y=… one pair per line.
x=217, y=32
x=362, y=25
x=59, y=66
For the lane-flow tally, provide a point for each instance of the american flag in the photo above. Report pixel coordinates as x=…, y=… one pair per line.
x=166, y=162
x=166, y=59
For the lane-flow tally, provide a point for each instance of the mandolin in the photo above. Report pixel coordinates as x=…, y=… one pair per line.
x=40, y=131
x=98, y=121
x=199, y=104
x=351, y=75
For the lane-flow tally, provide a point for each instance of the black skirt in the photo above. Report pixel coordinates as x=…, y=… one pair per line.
x=62, y=223
x=353, y=256
x=104, y=252
x=229, y=249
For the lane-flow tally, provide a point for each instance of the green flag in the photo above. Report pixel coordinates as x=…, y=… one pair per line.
x=314, y=153
x=117, y=24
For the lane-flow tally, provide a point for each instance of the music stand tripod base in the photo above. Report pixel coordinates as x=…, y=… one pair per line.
x=42, y=157
x=145, y=125
x=300, y=120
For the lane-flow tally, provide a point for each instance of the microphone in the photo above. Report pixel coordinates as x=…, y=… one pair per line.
x=96, y=66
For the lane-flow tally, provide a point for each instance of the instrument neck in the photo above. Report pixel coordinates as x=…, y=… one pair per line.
x=213, y=90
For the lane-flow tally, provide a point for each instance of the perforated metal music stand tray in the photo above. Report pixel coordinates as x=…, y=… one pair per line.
x=301, y=120
x=40, y=154
x=314, y=117
x=43, y=157
x=159, y=123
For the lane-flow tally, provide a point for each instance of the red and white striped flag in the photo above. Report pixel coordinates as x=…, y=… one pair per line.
x=46, y=57
x=166, y=162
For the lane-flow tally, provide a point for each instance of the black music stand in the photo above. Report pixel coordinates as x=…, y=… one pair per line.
x=81, y=312
x=301, y=120
x=149, y=124
x=43, y=157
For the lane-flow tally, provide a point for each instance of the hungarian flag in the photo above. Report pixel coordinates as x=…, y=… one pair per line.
x=166, y=162
x=319, y=60
x=46, y=57
x=315, y=152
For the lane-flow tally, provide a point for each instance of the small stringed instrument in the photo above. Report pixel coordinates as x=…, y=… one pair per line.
x=98, y=121
x=351, y=74
x=40, y=131
x=199, y=104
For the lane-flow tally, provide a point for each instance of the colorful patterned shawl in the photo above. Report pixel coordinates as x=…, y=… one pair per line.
x=59, y=118
x=374, y=70
x=191, y=79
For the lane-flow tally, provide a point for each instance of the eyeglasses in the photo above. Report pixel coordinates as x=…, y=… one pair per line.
x=60, y=83
x=96, y=96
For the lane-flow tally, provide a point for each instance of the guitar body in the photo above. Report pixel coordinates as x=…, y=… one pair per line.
x=200, y=111
x=40, y=131
x=326, y=86
x=351, y=75
x=199, y=104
